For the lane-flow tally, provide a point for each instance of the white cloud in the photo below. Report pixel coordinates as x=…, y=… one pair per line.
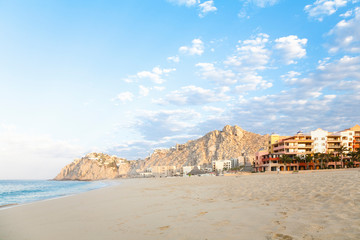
x=340, y=74
x=28, y=156
x=252, y=82
x=193, y=95
x=291, y=77
x=251, y=54
x=124, y=97
x=197, y=48
x=243, y=13
x=174, y=59
x=264, y=3
x=187, y=3
x=206, y=7
x=212, y=109
x=291, y=48
x=208, y=71
x=347, y=34
x=347, y=14
x=156, y=75
x=158, y=88
x=143, y=91
x=321, y=8
x=164, y=123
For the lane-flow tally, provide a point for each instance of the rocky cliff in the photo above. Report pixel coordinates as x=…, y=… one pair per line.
x=231, y=142
x=95, y=166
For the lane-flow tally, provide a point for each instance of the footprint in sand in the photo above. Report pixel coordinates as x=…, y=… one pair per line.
x=164, y=228
x=280, y=236
x=201, y=214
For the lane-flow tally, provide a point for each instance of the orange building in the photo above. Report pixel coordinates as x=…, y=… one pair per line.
x=301, y=148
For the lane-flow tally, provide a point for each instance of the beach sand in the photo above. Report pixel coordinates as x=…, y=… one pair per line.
x=312, y=205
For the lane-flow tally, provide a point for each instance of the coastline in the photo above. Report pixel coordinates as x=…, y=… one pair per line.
x=49, y=194
x=255, y=206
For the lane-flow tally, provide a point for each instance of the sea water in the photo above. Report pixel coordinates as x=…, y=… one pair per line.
x=25, y=191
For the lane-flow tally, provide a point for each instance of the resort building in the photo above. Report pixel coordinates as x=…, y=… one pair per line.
x=221, y=165
x=295, y=145
x=274, y=138
x=163, y=171
x=298, y=152
x=319, y=138
x=356, y=142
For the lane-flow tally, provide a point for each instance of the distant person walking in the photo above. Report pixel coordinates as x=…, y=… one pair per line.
x=278, y=170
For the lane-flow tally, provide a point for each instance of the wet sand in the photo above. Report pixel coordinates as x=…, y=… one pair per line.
x=312, y=205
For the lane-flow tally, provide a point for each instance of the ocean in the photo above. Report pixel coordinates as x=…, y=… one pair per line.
x=26, y=191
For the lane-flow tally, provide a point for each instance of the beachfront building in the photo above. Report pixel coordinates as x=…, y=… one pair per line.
x=298, y=152
x=221, y=165
x=356, y=139
x=163, y=171
x=274, y=138
x=319, y=137
x=294, y=145
x=186, y=170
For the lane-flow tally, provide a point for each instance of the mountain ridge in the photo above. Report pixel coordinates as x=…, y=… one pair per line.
x=230, y=142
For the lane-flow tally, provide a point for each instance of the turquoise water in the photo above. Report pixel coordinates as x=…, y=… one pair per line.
x=25, y=191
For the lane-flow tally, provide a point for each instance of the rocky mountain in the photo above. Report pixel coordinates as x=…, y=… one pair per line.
x=95, y=166
x=231, y=142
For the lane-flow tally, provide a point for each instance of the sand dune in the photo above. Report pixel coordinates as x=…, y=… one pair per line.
x=319, y=205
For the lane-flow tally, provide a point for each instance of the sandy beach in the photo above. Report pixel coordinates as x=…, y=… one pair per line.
x=312, y=205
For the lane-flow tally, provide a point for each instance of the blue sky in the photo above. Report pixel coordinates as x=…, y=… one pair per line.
x=127, y=77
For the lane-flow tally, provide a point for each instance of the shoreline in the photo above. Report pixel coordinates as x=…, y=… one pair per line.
x=255, y=206
x=18, y=204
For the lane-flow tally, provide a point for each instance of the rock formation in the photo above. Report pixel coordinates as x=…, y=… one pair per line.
x=231, y=142
x=95, y=166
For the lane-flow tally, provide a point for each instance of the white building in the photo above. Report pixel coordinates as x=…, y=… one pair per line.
x=163, y=170
x=319, y=138
x=187, y=169
x=347, y=139
x=221, y=165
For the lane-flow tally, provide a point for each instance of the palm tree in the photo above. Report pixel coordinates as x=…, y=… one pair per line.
x=334, y=159
x=327, y=158
x=286, y=159
x=316, y=157
x=297, y=160
x=353, y=157
x=341, y=153
x=322, y=157
x=308, y=159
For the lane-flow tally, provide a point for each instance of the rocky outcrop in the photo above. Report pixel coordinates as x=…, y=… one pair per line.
x=95, y=166
x=231, y=142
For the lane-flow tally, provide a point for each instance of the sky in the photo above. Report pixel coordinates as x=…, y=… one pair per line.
x=127, y=77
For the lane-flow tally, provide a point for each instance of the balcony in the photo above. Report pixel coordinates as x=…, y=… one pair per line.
x=304, y=146
x=305, y=141
x=279, y=147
